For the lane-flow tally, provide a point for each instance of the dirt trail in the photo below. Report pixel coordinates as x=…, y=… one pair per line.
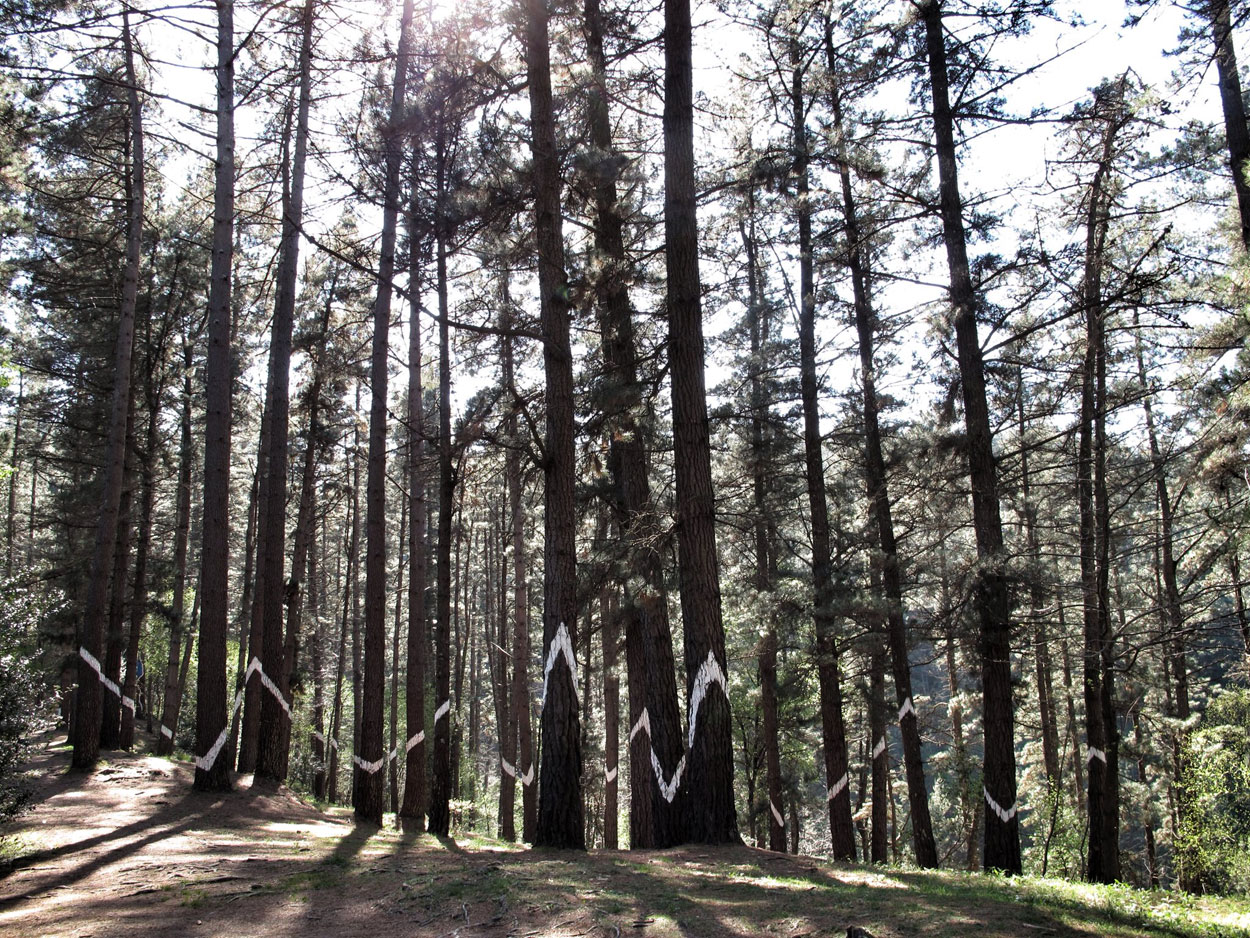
x=131, y=850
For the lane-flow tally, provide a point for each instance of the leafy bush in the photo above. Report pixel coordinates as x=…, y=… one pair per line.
x=1213, y=842
x=23, y=694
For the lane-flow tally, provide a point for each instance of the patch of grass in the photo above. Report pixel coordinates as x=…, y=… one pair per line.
x=192, y=897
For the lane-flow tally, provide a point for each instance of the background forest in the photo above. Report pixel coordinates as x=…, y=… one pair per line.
x=381, y=417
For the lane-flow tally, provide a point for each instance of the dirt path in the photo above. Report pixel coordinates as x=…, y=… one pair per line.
x=131, y=850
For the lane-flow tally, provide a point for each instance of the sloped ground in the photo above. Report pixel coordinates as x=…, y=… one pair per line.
x=131, y=850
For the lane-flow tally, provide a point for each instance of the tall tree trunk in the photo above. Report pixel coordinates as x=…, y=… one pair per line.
x=758, y=325
x=369, y=794
x=1037, y=613
x=211, y=717
x=11, y=525
x=182, y=525
x=611, y=720
x=878, y=489
x=880, y=755
x=1173, y=616
x=1235, y=130
x=254, y=570
x=110, y=722
x=153, y=389
x=274, y=731
x=412, y=811
x=560, y=811
x=657, y=804
x=709, y=770
x=520, y=611
x=349, y=590
x=1101, y=728
x=392, y=749
x=88, y=700
x=498, y=657
x=319, y=743
x=440, y=789
x=991, y=596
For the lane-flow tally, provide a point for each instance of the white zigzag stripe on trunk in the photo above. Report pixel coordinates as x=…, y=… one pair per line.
x=528, y=778
x=709, y=673
x=644, y=723
x=94, y=664
x=1092, y=753
x=879, y=748
x=206, y=761
x=508, y=767
x=776, y=814
x=837, y=789
x=1003, y=815
x=609, y=776
x=668, y=789
x=442, y=711
x=561, y=643
x=902, y=711
x=370, y=767
x=414, y=740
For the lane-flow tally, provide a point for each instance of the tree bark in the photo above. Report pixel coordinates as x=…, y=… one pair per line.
x=412, y=811
x=1101, y=728
x=709, y=769
x=560, y=810
x=440, y=789
x=88, y=700
x=211, y=716
x=369, y=793
x=1236, y=132
x=991, y=596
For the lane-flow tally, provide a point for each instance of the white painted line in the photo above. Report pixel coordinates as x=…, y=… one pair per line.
x=561, y=644
x=709, y=673
x=644, y=723
x=879, y=748
x=903, y=710
x=1092, y=753
x=776, y=814
x=508, y=768
x=414, y=740
x=836, y=790
x=528, y=778
x=1003, y=815
x=609, y=776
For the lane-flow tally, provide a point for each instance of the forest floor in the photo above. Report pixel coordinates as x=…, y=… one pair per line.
x=131, y=850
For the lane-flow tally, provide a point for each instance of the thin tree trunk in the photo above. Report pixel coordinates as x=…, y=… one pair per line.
x=440, y=789
x=520, y=611
x=369, y=793
x=139, y=600
x=211, y=715
x=1101, y=728
x=275, y=732
x=182, y=525
x=709, y=770
x=412, y=811
x=111, y=709
x=992, y=599
x=392, y=758
x=254, y=571
x=88, y=700
x=11, y=526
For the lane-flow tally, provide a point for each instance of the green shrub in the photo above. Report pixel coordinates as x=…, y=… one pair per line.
x=23, y=694
x=1213, y=839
